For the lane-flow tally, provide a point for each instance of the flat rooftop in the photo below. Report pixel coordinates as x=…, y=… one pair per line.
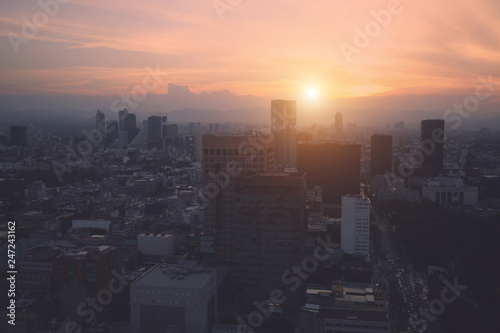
x=156, y=277
x=355, y=315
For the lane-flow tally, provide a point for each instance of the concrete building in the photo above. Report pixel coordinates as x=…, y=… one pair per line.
x=335, y=167
x=98, y=224
x=112, y=130
x=283, y=121
x=100, y=122
x=269, y=236
x=225, y=156
x=177, y=299
x=449, y=190
x=155, y=245
x=355, y=225
x=155, y=132
x=390, y=194
x=380, y=154
x=432, y=142
x=339, y=124
x=344, y=320
x=344, y=307
x=91, y=266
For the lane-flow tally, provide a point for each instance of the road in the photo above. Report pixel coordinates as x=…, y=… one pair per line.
x=393, y=270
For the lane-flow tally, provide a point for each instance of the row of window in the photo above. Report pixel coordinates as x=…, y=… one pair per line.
x=373, y=327
x=246, y=151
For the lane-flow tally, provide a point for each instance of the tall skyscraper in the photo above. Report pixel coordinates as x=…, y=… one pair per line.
x=339, y=124
x=355, y=225
x=122, y=114
x=19, y=135
x=130, y=121
x=432, y=141
x=380, y=154
x=100, y=121
x=112, y=130
x=154, y=132
x=283, y=121
x=269, y=235
x=335, y=167
x=130, y=126
x=122, y=133
x=223, y=157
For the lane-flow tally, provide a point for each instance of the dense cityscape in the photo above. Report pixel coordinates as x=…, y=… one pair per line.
x=225, y=227
x=264, y=166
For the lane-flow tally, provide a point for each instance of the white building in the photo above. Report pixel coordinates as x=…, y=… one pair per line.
x=449, y=190
x=155, y=245
x=173, y=299
x=355, y=225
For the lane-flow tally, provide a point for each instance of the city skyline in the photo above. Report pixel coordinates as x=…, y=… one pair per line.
x=230, y=166
x=204, y=56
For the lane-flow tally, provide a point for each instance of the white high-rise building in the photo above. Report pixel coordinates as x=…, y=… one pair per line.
x=355, y=225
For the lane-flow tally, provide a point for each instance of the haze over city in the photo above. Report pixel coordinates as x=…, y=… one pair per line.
x=249, y=166
x=212, y=57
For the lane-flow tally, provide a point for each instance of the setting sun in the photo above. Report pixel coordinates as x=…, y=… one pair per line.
x=312, y=93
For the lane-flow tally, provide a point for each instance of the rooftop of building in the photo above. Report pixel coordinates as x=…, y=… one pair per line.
x=163, y=235
x=355, y=315
x=273, y=175
x=177, y=276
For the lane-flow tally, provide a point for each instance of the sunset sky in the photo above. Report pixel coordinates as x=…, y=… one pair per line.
x=270, y=49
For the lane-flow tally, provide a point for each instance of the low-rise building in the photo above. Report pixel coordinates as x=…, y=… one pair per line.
x=449, y=190
x=155, y=245
x=177, y=298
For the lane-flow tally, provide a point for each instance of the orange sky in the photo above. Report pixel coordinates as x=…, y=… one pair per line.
x=272, y=49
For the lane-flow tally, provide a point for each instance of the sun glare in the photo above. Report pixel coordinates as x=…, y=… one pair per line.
x=312, y=93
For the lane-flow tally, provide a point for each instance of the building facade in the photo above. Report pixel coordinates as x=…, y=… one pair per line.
x=380, y=154
x=223, y=157
x=355, y=225
x=269, y=236
x=432, y=142
x=176, y=299
x=283, y=121
x=335, y=167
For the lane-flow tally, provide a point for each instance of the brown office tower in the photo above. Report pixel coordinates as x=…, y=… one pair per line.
x=339, y=125
x=380, y=154
x=269, y=239
x=283, y=121
x=223, y=158
x=335, y=167
x=432, y=142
